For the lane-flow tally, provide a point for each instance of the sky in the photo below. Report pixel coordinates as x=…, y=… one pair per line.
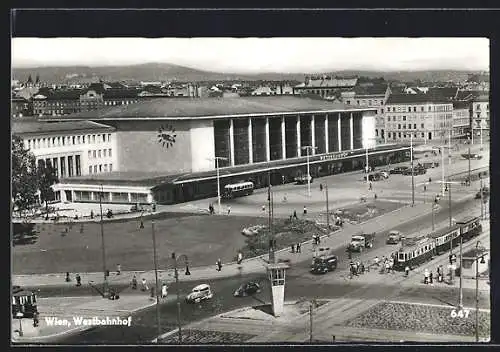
x=258, y=55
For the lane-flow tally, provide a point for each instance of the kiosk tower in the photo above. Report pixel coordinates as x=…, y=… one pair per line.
x=276, y=273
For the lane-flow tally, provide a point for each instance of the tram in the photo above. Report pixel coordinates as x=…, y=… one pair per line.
x=414, y=252
x=23, y=301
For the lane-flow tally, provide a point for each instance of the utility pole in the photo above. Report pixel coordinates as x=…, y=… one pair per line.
x=433, y=205
x=156, y=281
x=477, y=291
x=449, y=202
x=270, y=214
x=442, y=171
x=461, y=295
x=105, y=289
x=217, y=158
x=481, y=193
x=311, y=322
x=367, y=167
x=469, y=179
x=307, y=147
x=327, y=209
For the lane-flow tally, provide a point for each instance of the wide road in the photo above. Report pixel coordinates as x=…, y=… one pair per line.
x=300, y=284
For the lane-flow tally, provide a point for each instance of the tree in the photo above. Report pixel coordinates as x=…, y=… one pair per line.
x=47, y=177
x=24, y=176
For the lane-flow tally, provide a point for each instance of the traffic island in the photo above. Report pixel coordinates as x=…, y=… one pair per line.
x=414, y=318
x=365, y=211
x=286, y=232
x=192, y=337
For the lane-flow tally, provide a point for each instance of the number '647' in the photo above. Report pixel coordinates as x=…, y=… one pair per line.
x=462, y=313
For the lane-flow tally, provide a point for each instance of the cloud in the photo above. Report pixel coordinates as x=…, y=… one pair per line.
x=249, y=55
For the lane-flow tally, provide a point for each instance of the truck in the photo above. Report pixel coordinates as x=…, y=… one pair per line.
x=360, y=242
x=325, y=261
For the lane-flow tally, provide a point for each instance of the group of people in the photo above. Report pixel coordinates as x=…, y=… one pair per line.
x=296, y=248
x=316, y=239
x=145, y=287
x=386, y=265
x=429, y=276
x=356, y=268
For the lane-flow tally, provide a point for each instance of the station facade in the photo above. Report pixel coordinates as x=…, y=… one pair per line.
x=167, y=151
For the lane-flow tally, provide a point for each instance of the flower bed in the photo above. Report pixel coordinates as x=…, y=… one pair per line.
x=202, y=336
x=421, y=318
x=286, y=233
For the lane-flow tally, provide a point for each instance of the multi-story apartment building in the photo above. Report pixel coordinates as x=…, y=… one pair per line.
x=480, y=118
x=373, y=95
x=461, y=120
x=74, y=148
x=427, y=117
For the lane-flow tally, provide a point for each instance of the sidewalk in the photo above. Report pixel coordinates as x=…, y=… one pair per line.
x=57, y=315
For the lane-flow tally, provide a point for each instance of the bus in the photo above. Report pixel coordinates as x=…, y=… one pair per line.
x=238, y=189
x=23, y=301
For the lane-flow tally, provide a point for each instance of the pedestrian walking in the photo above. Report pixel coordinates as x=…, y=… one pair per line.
x=91, y=214
x=118, y=269
x=370, y=186
x=425, y=188
x=375, y=196
x=78, y=280
x=134, y=283
x=228, y=209
x=298, y=247
x=426, y=276
x=164, y=290
x=387, y=266
x=430, y=277
x=293, y=248
x=407, y=271
x=362, y=267
x=305, y=210
x=68, y=279
x=430, y=180
x=264, y=208
x=219, y=264
x=295, y=214
x=144, y=286
x=36, y=321
x=282, y=179
x=153, y=292
x=376, y=261
x=240, y=257
x=321, y=187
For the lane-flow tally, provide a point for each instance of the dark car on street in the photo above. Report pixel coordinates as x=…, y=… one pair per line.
x=324, y=264
x=374, y=177
x=394, y=237
x=398, y=170
x=417, y=170
x=247, y=289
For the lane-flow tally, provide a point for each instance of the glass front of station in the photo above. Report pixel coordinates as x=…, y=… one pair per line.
x=201, y=186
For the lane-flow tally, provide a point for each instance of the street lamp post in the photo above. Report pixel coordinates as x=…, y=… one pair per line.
x=156, y=281
x=433, y=205
x=366, y=164
x=176, y=273
x=307, y=148
x=477, y=290
x=19, y=316
x=460, y=290
x=271, y=217
x=217, y=158
x=105, y=289
x=442, y=171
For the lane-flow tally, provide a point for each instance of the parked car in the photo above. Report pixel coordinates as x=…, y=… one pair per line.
x=394, y=237
x=300, y=180
x=472, y=156
x=374, y=177
x=385, y=174
x=247, y=289
x=199, y=293
x=398, y=170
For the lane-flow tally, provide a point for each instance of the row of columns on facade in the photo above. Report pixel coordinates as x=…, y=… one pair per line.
x=66, y=165
x=283, y=137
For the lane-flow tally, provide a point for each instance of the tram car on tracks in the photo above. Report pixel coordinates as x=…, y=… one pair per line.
x=23, y=301
x=416, y=251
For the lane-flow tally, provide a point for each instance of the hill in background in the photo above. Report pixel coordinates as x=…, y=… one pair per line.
x=170, y=72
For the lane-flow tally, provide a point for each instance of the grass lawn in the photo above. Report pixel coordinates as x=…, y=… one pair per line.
x=48, y=249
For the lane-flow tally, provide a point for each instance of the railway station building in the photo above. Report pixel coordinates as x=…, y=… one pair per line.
x=167, y=150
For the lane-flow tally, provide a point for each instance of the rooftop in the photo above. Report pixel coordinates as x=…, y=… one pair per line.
x=395, y=99
x=31, y=126
x=371, y=89
x=211, y=107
